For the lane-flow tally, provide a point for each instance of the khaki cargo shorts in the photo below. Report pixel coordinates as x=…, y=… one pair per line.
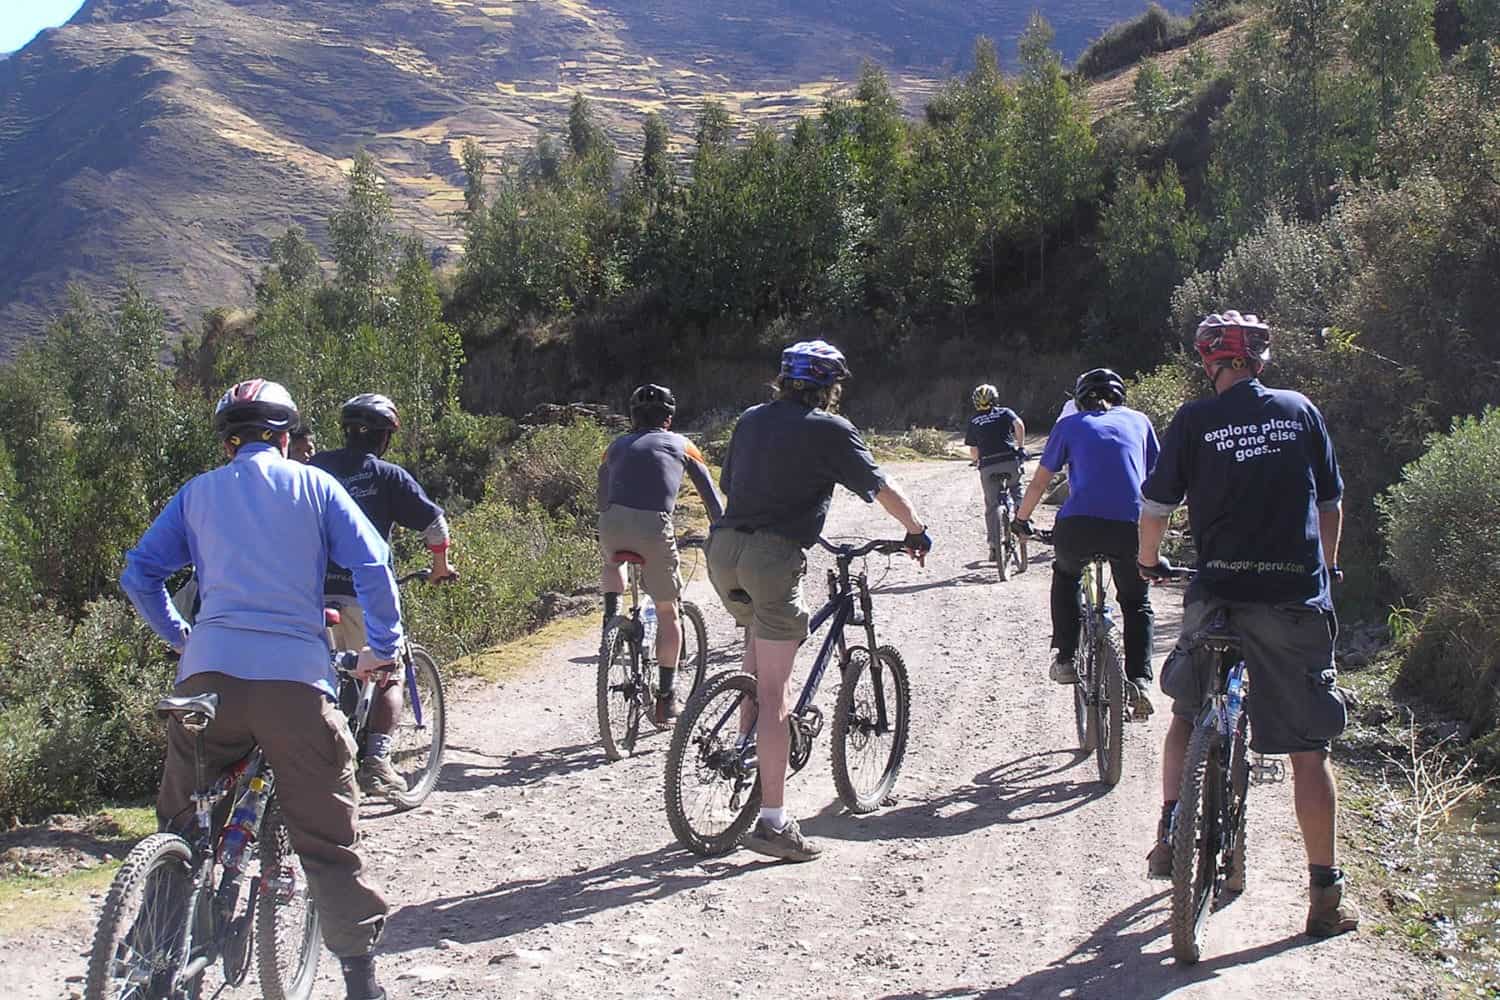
x=758, y=576
x=649, y=534
x=349, y=633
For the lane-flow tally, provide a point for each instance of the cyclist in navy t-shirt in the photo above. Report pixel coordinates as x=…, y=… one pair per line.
x=997, y=446
x=389, y=496
x=1264, y=499
x=1108, y=449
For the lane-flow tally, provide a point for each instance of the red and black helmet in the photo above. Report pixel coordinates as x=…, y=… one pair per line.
x=255, y=405
x=371, y=411
x=1229, y=340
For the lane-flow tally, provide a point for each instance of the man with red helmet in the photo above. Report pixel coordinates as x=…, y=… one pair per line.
x=260, y=530
x=389, y=496
x=1264, y=499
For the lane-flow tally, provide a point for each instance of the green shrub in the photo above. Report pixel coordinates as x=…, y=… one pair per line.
x=1126, y=43
x=76, y=721
x=928, y=441
x=1441, y=525
x=556, y=467
x=1160, y=393
x=508, y=558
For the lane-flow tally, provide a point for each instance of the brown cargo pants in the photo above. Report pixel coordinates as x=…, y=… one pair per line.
x=308, y=746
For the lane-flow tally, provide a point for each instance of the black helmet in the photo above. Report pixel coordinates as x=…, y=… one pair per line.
x=371, y=411
x=255, y=405
x=652, y=395
x=1099, y=384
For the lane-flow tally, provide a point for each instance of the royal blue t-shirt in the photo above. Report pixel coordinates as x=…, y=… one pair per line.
x=1256, y=465
x=993, y=432
x=386, y=493
x=1108, y=454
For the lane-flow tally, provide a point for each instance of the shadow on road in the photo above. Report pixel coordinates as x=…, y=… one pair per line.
x=1112, y=962
x=516, y=770
x=965, y=580
x=1007, y=793
x=528, y=904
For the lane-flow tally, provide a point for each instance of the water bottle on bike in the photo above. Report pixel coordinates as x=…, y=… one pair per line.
x=648, y=628
x=243, y=822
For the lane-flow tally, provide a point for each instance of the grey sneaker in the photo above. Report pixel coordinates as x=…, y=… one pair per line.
x=378, y=777
x=788, y=844
x=1139, y=693
x=1063, y=671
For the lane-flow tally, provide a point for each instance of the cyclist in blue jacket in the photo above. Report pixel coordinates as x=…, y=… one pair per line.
x=260, y=530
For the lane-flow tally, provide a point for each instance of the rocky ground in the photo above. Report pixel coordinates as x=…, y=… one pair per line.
x=1003, y=867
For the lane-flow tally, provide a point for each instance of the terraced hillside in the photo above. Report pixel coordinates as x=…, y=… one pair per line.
x=174, y=138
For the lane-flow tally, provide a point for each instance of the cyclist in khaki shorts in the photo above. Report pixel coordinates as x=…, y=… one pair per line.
x=784, y=459
x=638, y=483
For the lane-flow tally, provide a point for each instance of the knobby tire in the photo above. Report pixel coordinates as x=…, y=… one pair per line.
x=423, y=777
x=855, y=722
x=619, y=667
x=1195, y=838
x=148, y=899
x=1239, y=792
x=287, y=940
x=1084, y=721
x=693, y=663
x=1109, y=705
x=686, y=771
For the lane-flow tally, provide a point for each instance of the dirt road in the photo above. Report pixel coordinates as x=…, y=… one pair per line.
x=540, y=870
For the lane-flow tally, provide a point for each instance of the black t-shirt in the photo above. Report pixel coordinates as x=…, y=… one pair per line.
x=1256, y=466
x=386, y=493
x=783, y=461
x=993, y=432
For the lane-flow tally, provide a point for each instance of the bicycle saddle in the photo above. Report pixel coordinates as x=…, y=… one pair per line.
x=626, y=556
x=331, y=617
x=206, y=705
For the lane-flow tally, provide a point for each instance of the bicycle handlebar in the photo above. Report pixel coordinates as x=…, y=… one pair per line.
x=885, y=546
x=421, y=575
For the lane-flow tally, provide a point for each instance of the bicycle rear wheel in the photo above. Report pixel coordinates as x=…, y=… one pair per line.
x=712, y=782
x=1238, y=813
x=1109, y=705
x=867, y=753
x=693, y=662
x=621, y=690
x=145, y=917
x=287, y=943
x=1195, y=843
x=419, y=741
x=1003, y=550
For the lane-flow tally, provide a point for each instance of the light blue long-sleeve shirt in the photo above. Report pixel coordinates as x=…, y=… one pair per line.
x=260, y=531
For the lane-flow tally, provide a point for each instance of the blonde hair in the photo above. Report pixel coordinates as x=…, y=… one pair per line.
x=809, y=394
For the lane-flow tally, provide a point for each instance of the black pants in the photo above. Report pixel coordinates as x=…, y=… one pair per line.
x=1074, y=541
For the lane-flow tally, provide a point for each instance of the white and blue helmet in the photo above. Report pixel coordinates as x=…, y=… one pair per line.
x=815, y=361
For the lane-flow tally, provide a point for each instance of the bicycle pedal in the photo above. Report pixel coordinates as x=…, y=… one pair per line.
x=1266, y=772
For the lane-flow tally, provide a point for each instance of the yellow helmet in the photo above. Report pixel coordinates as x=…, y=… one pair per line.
x=985, y=397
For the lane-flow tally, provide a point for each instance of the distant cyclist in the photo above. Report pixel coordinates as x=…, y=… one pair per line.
x=261, y=529
x=997, y=445
x=1108, y=450
x=389, y=496
x=784, y=459
x=639, y=479
x=1264, y=497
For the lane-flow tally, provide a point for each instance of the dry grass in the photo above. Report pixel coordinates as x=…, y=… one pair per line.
x=1432, y=784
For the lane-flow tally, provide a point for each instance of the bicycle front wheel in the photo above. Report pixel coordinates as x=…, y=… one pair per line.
x=870, y=722
x=1084, y=721
x=1195, y=843
x=144, y=920
x=421, y=733
x=1109, y=706
x=286, y=921
x=1237, y=811
x=1007, y=543
x=621, y=690
x=693, y=663
x=712, y=779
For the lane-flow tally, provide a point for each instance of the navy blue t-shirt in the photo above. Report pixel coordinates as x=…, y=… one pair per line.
x=1108, y=454
x=1256, y=465
x=782, y=464
x=386, y=493
x=993, y=432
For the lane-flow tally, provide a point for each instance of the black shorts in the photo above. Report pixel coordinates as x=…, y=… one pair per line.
x=1295, y=704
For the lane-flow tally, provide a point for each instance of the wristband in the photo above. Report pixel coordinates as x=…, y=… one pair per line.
x=438, y=549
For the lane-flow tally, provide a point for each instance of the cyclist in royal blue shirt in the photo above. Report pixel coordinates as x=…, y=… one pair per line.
x=389, y=496
x=1108, y=449
x=260, y=530
x=996, y=438
x=1263, y=490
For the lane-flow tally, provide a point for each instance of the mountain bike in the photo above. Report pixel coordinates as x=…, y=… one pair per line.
x=1209, y=823
x=1100, y=708
x=1010, y=552
x=420, y=738
x=628, y=684
x=179, y=904
x=712, y=786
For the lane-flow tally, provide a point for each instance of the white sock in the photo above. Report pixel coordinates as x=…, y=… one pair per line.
x=774, y=818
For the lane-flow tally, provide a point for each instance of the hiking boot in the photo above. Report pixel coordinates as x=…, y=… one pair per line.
x=666, y=710
x=1159, y=861
x=1138, y=691
x=378, y=777
x=1329, y=913
x=788, y=844
x=1063, y=671
x=359, y=978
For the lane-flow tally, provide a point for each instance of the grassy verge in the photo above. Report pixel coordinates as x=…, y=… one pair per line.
x=47, y=870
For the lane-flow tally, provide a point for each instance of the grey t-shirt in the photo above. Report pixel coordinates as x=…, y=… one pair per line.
x=643, y=470
x=784, y=460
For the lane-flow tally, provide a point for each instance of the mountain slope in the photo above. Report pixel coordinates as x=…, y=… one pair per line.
x=174, y=138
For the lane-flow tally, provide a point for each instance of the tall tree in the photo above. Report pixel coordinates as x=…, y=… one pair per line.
x=363, y=236
x=1393, y=41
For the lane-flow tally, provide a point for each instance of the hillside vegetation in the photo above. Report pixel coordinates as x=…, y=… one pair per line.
x=1338, y=174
